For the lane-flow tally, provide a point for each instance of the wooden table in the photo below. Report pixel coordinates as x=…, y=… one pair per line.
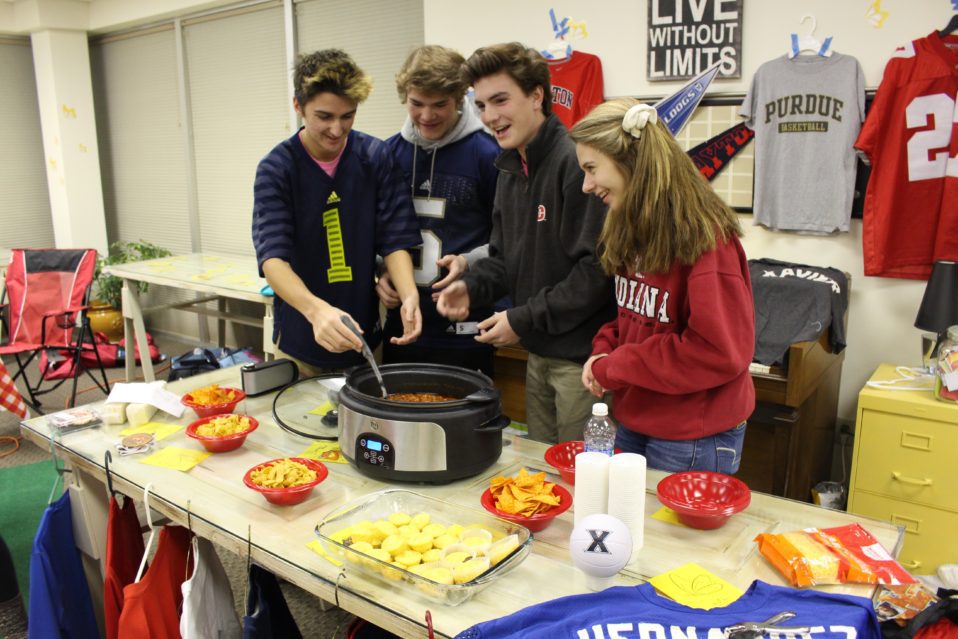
x=222, y=509
x=215, y=277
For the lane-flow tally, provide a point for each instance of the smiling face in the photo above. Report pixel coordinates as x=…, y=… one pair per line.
x=327, y=120
x=602, y=176
x=432, y=114
x=513, y=116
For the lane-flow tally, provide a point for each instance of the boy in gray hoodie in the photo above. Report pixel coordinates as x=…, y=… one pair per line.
x=447, y=160
x=542, y=248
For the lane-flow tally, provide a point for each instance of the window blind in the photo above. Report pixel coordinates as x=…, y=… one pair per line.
x=236, y=66
x=141, y=147
x=378, y=39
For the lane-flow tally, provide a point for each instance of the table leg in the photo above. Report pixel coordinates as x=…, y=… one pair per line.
x=221, y=322
x=134, y=332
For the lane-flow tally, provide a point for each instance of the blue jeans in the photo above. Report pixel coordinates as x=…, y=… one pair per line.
x=719, y=453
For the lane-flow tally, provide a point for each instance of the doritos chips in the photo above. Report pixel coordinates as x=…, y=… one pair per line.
x=525, y=495
x=212, y=395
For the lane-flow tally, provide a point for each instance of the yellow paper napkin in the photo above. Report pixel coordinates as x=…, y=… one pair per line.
x=157, y=429
x=317, y=548
x=324, y=451
x=176, y=458
x=696, y=587
x=323, y=408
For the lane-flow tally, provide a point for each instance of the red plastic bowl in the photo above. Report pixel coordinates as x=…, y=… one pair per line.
x=704, y=499
x=207, y=410
x=561, y=456
x=535, y=523
x=224, y=443
x=294, y=494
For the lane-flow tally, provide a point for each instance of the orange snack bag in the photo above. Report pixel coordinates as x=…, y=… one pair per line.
x=839, y=555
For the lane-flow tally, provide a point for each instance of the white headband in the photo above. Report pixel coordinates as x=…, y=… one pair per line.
x=637, y=117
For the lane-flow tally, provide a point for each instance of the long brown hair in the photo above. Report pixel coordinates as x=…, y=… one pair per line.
x=668, y=212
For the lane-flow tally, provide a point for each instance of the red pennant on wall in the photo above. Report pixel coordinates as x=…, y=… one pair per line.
x=714, y=154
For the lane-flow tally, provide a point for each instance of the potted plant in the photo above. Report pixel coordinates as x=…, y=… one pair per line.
x=104, y=311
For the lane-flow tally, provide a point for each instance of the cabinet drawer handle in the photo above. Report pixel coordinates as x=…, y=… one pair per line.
x=908, y=480
x=910, y=565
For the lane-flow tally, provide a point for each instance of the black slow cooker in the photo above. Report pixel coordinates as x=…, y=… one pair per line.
x=434, y=442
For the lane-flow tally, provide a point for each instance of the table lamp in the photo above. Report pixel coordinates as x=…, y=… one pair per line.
x=939, y=305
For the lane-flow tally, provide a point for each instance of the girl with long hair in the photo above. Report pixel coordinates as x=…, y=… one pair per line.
x=676, y=356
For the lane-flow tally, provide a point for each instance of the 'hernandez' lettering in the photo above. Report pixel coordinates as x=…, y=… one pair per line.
x=645, y=630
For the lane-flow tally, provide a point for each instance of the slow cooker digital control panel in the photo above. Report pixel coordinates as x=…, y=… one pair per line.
x=375, y=450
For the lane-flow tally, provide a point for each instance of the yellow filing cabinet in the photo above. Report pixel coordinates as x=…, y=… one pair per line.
x=905, y=470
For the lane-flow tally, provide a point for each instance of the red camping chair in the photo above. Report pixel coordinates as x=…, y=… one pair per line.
x=45, y=311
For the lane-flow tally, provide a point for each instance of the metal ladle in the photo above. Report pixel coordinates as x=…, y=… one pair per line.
x=368, y=354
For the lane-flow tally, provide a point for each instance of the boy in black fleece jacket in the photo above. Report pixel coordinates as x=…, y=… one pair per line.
x=542, y=249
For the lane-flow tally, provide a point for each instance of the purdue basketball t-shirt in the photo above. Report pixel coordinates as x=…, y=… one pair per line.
x=806, y=113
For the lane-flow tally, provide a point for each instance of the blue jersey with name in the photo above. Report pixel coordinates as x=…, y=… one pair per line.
x=638, y=612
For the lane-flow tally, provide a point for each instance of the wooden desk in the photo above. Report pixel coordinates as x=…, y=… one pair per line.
x=217, y=277
x=790, y=435
x=224, y=510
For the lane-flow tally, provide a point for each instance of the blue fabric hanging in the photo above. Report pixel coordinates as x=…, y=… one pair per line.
x=60, y=602
x=267, y=614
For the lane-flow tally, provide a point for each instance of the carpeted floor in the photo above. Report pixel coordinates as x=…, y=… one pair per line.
x=25, y=490
x=26, y=478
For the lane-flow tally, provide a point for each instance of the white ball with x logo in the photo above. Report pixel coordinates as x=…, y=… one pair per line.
x=600, y=546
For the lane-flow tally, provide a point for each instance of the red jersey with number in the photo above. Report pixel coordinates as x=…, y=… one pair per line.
x=576, y=86
x=911, y=205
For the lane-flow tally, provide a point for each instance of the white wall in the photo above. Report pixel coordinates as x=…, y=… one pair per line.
x=882, y=311
x=617, y=32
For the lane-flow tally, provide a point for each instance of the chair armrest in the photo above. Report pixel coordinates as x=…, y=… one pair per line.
x=63, y=317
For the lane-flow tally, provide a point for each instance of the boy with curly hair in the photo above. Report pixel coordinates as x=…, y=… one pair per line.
x=327, y=201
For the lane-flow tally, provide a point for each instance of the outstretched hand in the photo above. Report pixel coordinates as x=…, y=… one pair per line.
x=411, y=321
x=453, y=302
x=455, y=266
x=387, y=294
x=497, y=330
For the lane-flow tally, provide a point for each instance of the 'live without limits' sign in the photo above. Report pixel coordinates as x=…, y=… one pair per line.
x=688, y=36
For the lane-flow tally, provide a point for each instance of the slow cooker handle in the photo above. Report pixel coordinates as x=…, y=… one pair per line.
x=497, y=423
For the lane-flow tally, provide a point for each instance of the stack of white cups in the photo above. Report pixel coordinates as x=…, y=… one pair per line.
x=627, y=495
x=591, y=485
x=614, y=486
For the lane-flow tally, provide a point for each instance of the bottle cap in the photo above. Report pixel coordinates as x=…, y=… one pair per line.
x=600, y=408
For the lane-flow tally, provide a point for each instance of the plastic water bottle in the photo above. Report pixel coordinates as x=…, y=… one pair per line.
x=599, y=433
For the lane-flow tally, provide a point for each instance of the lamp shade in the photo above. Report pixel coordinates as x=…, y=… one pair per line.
x=939, y=306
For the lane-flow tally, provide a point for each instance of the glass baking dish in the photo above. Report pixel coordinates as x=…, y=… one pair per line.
x=381, y=505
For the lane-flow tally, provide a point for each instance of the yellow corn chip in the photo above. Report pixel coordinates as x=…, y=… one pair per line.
x=524, y=494
x=212, y=395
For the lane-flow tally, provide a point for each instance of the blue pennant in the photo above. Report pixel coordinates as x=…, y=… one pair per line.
x=676, y=109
